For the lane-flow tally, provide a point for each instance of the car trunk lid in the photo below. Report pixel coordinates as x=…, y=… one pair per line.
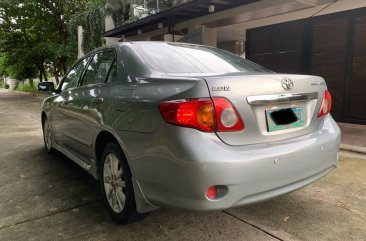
x=272, y=106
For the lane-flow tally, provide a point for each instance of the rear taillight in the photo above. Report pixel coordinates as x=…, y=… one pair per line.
x=194, y=113
x=227, y=117
x=326, y=104
x=204, y=114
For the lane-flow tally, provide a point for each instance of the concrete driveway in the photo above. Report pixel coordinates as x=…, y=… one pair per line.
x=45, y=197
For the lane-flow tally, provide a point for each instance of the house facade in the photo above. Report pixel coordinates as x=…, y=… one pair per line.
x=321, y=37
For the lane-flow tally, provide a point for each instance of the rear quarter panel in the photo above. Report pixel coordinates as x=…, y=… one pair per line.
x=136, y=108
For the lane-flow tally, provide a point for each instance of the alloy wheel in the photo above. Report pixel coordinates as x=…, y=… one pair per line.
x=114, y=185
x=47, y=135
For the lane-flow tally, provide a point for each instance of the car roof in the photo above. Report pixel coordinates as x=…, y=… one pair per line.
x=131, y=43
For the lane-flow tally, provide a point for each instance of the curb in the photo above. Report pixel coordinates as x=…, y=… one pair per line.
x=353, y=155
x=357, y=149
x=33, y=94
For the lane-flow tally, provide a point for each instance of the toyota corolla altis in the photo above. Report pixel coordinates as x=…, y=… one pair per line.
x=189, y=126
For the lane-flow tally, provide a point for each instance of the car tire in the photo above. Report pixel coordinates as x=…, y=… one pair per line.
x=47, y=136
x=117, y=187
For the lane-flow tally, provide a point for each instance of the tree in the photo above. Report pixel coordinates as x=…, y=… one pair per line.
x=15, y=42
x=62, y=44
x=35, y=33
x=92, y=19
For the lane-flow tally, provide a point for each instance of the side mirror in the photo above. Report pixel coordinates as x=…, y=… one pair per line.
x=46, y=87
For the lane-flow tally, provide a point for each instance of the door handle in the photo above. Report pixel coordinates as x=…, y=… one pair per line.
x=97, y=100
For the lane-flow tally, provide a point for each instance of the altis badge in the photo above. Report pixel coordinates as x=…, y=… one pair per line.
x=221, y=88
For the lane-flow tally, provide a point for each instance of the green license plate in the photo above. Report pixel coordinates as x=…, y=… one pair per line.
x=272, y=126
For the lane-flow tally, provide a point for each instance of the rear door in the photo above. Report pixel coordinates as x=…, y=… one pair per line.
x=267, y=105
x=60, y=111
x=85, y=115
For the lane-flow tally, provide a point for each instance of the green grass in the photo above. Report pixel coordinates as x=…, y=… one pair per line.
x=2, y=85
x=26, y=87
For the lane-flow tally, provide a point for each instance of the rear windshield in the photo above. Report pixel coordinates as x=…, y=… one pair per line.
x=184, y=58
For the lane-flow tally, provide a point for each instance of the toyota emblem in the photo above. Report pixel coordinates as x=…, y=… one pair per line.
x=287, y=84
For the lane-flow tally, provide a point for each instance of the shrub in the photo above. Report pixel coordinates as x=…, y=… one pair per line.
x=6, y=86
x=16, y=85
x=26, y=88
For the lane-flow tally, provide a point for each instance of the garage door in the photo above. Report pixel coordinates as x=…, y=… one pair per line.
x=357, y=100
x=329, y=57
x=277, y=48
x=332, y=46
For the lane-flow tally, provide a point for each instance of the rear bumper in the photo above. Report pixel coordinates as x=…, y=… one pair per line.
x=177, y=171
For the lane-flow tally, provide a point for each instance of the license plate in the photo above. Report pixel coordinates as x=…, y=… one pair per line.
x=272, y=126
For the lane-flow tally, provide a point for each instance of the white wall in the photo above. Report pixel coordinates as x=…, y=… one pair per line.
x=80, y=40
x=109, y=25
x=210, y=36
x=169, y=37
x=237, y=31
x=270, y=6
x=262, y=13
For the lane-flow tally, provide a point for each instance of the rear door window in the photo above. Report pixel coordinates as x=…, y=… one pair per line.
x=72, y=78
x=112, y=76
x=100, y=67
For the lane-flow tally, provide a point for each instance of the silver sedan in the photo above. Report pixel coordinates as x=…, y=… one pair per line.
x=189, y=126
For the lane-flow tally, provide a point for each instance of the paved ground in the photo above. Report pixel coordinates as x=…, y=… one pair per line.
x=46, y=197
